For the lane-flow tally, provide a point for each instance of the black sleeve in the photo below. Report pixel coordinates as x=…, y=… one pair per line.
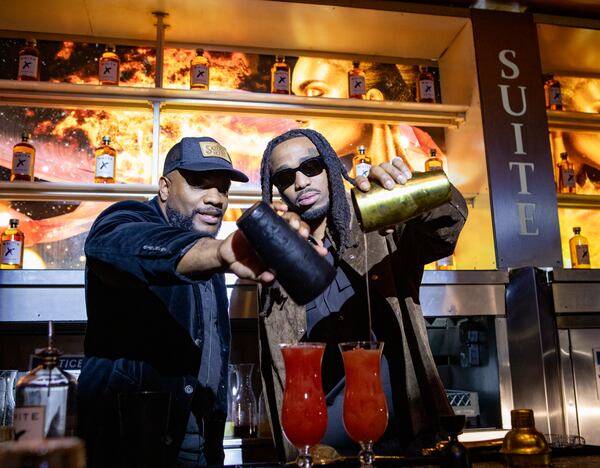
x=130, y=242
x=434, y=234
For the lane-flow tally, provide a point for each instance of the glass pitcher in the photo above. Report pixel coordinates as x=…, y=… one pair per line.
x=7, y=404
x=243, y=406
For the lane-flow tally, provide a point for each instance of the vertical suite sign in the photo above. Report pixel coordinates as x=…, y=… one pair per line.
x=519, y=164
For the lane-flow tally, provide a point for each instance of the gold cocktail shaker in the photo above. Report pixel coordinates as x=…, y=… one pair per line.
x=379, y=207
x=523, y=445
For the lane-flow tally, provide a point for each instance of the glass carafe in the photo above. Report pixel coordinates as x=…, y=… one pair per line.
x=7, y=404
x=243, y=407
x=231, y=393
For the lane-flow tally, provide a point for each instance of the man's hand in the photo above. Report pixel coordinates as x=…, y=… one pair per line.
x=297, y=224
x=237, y=255
x=387, y=174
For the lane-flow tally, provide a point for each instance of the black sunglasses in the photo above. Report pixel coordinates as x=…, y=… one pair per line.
x=286, y=177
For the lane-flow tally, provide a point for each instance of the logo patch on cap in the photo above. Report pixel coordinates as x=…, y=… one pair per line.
x=210, y=149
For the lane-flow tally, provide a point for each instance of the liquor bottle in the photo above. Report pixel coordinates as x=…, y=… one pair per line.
x=13, y=243
x=553, y=94
x=566, y=175
x=433, y=163
x=109, y=66
x=361, y=163
x=106, y=162
x=23, y=160
x=280, y=76
x=425, y=86
x=446, y=263
x=199, y=71
x=29, y=62
x=357, y=87
x=580, y=250
x=46, y=398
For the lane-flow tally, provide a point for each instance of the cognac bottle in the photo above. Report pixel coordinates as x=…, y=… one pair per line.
x=433, y=163
x=29, y=62
x=361, y=163
x=105, y=162
x=566, y=175
x=13, y=243
x=45, y=400
x=425, y=86
x=109, y=66
x=553, y=94
x=357, y=87
x=280, y=76
x=23, y=160
x=580, y=250
x=199, y=71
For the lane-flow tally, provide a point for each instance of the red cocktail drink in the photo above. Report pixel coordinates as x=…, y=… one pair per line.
x=304, y=413
x=365, y=408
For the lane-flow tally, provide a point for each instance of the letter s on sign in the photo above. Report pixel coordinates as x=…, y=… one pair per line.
x=502, y=56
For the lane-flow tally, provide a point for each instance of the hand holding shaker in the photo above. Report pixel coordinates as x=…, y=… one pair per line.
x=300, y=270
x=379, y=207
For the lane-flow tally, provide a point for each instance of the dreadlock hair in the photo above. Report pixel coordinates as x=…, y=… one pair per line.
x=338, y=216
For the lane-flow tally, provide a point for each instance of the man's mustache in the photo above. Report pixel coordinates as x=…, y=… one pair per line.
x=209, y=211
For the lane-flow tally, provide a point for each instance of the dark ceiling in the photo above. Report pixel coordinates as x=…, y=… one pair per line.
x=589, y=9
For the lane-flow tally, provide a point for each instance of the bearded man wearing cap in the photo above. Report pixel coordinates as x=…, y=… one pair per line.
x=158, y=316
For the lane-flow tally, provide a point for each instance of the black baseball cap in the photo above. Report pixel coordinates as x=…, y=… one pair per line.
x=201, y=154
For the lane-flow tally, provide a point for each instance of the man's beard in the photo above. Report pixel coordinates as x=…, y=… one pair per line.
x=314, y=213
x=181, y=221
x=307, y=214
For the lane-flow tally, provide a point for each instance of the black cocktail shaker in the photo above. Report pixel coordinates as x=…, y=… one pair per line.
x=300, y=270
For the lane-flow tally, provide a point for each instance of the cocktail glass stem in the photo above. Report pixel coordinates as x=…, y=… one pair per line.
x=366, y=455
x=304, y=459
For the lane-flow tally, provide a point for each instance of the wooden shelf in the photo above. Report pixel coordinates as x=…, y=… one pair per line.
x=588, y=202
x=573, y=121
x=55, y=191
x=239, y=197
x=44, y=94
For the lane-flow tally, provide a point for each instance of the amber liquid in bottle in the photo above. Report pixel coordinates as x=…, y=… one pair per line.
x=553, y=94
x=580, y=250
x=23, y=160
x=361, y=163
x=109, y=66
x=13, y=243
x=105, y=162
x=29, y=62
x=357, y=87
x=280, y=76
x=433, y=163
x=199, y=71
x=566, y=175
x=425, y=86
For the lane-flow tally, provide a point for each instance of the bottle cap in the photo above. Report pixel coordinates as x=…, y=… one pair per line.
x=564, y=155
x=520, y=418
x=200, y=51
x=577, y=230
x=106, y=140
x=280, y=58
x=13, y=222
x=25, y=136
x=31, y=41
x=432, y=152
x=355, y=63
x=362, y=149
x=111, y=47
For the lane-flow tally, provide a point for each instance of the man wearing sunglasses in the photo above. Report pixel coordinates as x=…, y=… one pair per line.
x=308, y=174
